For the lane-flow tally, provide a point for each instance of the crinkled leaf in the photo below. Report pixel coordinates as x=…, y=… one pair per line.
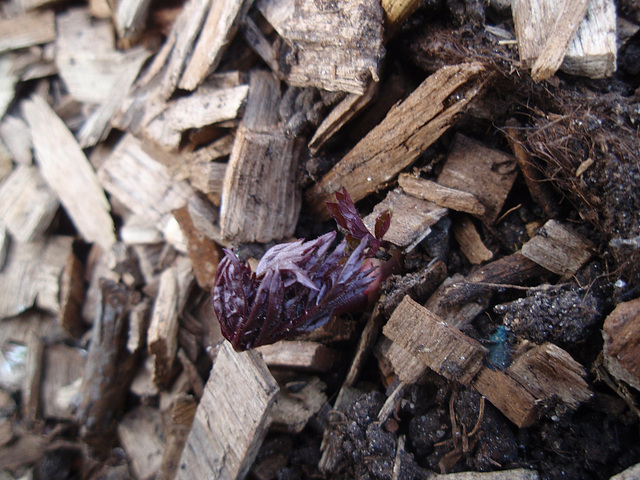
x=296, y=288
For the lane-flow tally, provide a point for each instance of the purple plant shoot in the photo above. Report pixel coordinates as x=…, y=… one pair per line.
x=296, y=288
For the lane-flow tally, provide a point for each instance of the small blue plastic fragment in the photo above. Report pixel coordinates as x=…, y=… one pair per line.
x=498, y=358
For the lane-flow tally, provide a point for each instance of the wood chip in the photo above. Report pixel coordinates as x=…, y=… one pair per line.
x=17, y=138
x=411, y=220
x=29, y=204
x=332, y=48
x=558, y=248
x=515, y=474
x=31, y=275
x=62, y=366
x=299, y=355
x=438, y=345
x=549, y=372
x=577, y=36
x=261, y=198
x=68, y=172
x=232, y=417
x=223, y=20
x=205, y=254
x=452, y=198
x=292, y=411
x=203, y=107
x=109, y=370
x=509, y=396
x=485, y=173
x=407, y=131
x=136, y=175
x=87, y=59
x=143, y=422
x=621, y=334
x=470, y=242
x=33, y=28
x=163, y=328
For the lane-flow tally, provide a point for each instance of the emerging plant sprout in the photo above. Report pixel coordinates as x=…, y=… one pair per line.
x=297, y=287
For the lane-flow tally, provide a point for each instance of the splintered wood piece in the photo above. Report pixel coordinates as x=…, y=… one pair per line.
x=232, y=417
x=203, y=107
x=407, y=131
x=28, y=204
x=486, y=173
x=63, y=365
x=143, y=422
x=258, y=41
x=621, y=334
x=169, y=63
x=411, y=220
x=400, y=361
x=396, y=12
x=98, y=125
x=452, y=198
x=438, y=345
x=336, y=48
x=31, y=275
x=26, y=30
x=129, y=18
x=347, y=109
x=110, y=368
x=292, y=411
x=208, y=177
x=547, y=371
x=470, y=242
x=182, y=410
x=205, y=254
x=218, y=29
x=577, y=36
x=163, y=328
x=137, y=176
x=68, y=172
x=460, y=300
x=508, y=395
x=558, y=248
x=261, y=198
x=299, y=355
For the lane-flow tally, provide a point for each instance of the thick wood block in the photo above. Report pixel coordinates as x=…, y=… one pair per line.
x=232, y=418
x=440, y=346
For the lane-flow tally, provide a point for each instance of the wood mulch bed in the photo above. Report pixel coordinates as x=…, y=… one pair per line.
x=138, y=140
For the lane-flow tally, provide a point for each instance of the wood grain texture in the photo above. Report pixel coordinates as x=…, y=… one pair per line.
x=407, y=131
x=219, y=27
x=33, y=28
x=577, y=36
x=68, y=172
x=438, y=345
x=232, y=417
x=261, y=198
x=334, y=46
x=558, y=248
